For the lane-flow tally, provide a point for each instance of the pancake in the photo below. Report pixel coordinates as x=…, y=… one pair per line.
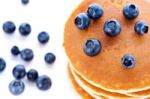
x=142, y=94
x=79, y=90
x=105, y=70
x=145, y=93
x=88, y=87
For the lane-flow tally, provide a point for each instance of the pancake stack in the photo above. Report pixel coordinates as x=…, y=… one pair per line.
x=103, y=76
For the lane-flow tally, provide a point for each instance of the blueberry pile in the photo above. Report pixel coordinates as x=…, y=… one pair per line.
x=43, y=82
x=17, y=86
x=111, y=28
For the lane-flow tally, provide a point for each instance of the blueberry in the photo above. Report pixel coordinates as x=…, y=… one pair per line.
x=92, y=47
x=27, y=54
x=15, y=50
x=95, y=11
x=43, y=37
x=32, y=75
x=43, y=82
x=19, y=71
x=25, y=29
x=16, y=87
x=25, y=2
x=2, y=64
x=130, y=11
x=82, y=21
x=112, y=28
x=141, y=27
x=9, y=27
x=128, y=61
x=49, y=58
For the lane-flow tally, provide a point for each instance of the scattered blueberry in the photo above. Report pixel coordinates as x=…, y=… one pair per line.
x=49, y=58
x=130, y=11
x=32, y=75
x=19, y=71
x=141, y=27
x=27, y=54
x=43, y=82
x=92, y=47
x=43, y=37
x=82, y=21
x=9, y=27
x=16, y=87
x=112, y=28
x=2, y=64
x=128, y=61
x=95, y=11
x=25, y=2
x=15, y=50
x=25, y=29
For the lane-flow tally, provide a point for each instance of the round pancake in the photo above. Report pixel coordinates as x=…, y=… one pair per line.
x=88, y=87
x=79, y=90
x=143, y=93
x=105, y=70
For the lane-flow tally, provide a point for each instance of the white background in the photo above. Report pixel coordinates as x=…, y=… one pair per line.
x=43, y=15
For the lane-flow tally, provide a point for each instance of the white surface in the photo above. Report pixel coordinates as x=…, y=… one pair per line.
x=43, y=15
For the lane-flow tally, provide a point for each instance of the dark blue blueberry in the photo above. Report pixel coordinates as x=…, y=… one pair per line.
x=141, y=27
x=112, y=28
x=25, y=29
x=95, y=11
x=2, y=64
x=32, y=75
x=25, y=2
x=19, y=71
x=27, y=54
x=128, y=61
x=43, y=82
x=16, y=87
x=92, y=47
x=9, y=27
x=49, y=58
x=82, y=21
x=15, y=50
x=130, y=11
x=43, y=37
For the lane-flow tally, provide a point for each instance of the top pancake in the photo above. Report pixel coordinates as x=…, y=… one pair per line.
x=105, y=70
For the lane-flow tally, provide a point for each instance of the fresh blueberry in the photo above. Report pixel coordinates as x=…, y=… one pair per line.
x=25, y=2
x=92, y=47
x=112, y=28
x=95, y=11
x=32, y=75
x=141, y=27
x=43, y=37
x=25, y=29
x=43, y=82
x=16, y=87
x=128, y=61
x=15, y=50
x=2, y=64
x=130, y=11
x=9, y=27
x=49, y=58
x=27, y=54
x=82, y=21
x=19, y=71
